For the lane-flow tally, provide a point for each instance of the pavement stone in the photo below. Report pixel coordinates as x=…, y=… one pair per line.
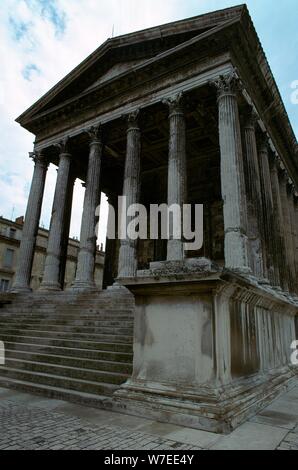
x=28, y=422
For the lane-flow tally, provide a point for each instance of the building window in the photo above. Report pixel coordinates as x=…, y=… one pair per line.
x=8, y=259
x=12, y=233
x=4, y=286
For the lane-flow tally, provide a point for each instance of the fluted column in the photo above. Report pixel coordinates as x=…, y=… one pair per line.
x=112, y=244
x=268, y=214
x=295, y=200
x=292, y=215
x=127, y=264
x=283, y=179
x=232, y=177
x=86, y=258
x=176, y=172
x=31, y=224
x=279, y=226
x=51, y=276
x=254, y=198
x=66, y=228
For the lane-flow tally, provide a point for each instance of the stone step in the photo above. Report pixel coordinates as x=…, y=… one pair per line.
x=60, y=393
x=31, y=309
x=75, y=323
x=96, y=354
x=70, y=361
x=91, y=375
x=62, y=318
x=58, y=381
x=113, y=337
x=63, y=342
x=73, y=346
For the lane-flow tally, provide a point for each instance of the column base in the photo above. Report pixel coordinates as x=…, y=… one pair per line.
x=81, y=286
x=50, y=287
x=20, y=289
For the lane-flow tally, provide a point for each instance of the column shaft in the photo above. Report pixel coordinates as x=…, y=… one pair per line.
x=176, y=175
x=279, y=224
x=292, y=216
x=295, y=201
x=232, y=184
x=51, y=276
x=86, y=257
x=31, y=224
x=66, y=228
x=287, y=230
x=268, y=215
x=254, y=199
x=127, y=266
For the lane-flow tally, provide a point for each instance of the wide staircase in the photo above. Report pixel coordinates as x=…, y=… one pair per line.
x=67, y=346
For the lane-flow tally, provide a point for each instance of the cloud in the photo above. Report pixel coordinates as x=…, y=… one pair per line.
x=30, y=70
x=50, y=11
x=42, y=40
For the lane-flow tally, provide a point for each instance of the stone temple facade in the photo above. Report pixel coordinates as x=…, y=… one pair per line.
x=187, y=112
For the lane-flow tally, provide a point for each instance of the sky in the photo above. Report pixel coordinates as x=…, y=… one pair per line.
x=42, y=40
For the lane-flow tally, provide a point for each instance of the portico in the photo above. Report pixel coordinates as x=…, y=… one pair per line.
x=153, y=118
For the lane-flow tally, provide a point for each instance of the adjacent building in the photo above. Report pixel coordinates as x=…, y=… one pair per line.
x=10, y=236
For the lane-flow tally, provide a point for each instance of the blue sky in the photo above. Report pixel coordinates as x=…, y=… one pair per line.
x=42, y=40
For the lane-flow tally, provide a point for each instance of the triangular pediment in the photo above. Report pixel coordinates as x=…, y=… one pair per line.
x=114, y=71
x=120, y=54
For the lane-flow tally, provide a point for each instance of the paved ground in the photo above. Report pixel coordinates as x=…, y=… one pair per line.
x=31, y=422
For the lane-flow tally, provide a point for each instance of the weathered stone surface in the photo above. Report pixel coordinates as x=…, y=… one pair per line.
x=131, y=191
x=232, y=177
x=31, y=224
x=86, y=258
x=51, y=276
x=177, y=185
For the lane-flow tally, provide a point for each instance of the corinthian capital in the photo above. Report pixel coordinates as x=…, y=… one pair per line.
x=63, y=146
x=39, y=158
x=250, y=118
x=228, y=83
x=94, y=133
x=175, y=103
x=132, y=119
x=264, y=143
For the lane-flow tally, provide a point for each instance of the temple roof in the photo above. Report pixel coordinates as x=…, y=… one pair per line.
x=127, y=51
x=123, y=62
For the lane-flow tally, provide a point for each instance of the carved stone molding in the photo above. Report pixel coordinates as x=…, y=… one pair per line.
x=63, y=146
x=250, y=118
x=39, y=157
x=95, y=134
x=227, y=84
x=132, y=119
x=283, y=174
x=175, y=103
x=263, y=142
